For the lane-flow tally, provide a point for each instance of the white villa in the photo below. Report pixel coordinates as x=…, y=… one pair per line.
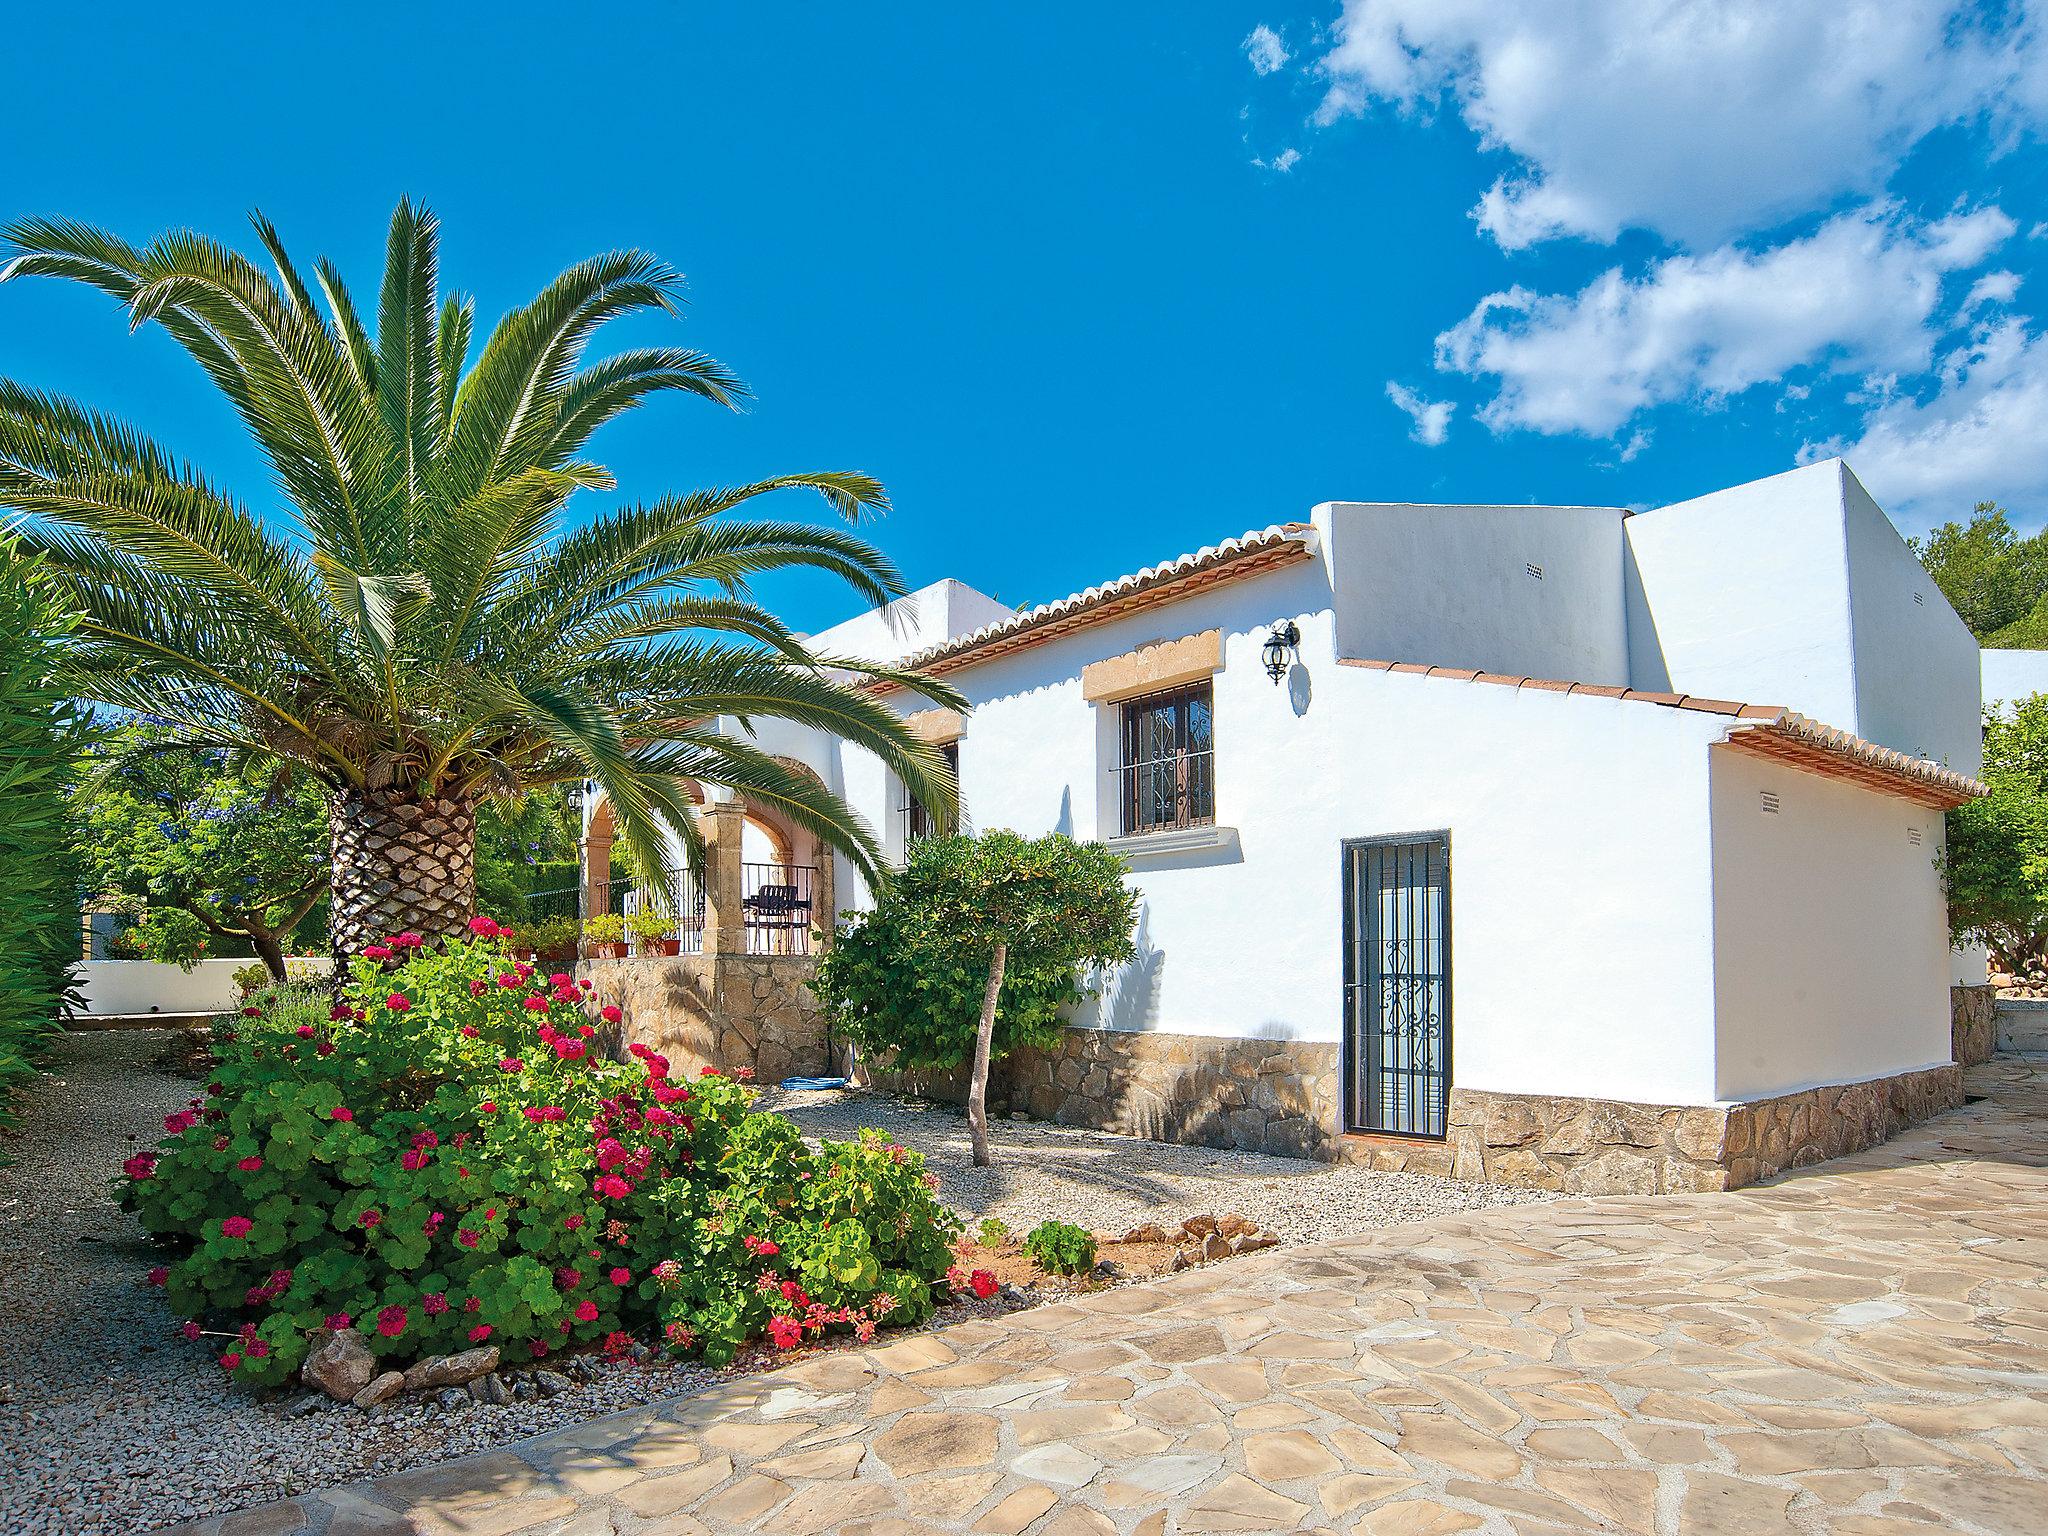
x=1544, y=845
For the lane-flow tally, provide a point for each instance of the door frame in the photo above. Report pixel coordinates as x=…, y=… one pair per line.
x=1346, y=919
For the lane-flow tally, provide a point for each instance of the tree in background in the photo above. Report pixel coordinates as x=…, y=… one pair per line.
x=420, y=623
x=974, y=948
x=1996, y=581
x=523, y=845
x=1996, y=865
x=205, y=846
x=40, y=732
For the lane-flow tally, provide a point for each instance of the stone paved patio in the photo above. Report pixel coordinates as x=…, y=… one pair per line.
x=1861, y=1349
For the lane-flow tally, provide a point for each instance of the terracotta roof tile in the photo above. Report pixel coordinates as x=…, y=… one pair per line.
x=1261, y=550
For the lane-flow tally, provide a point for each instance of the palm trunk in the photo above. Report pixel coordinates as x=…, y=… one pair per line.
x=977, y=1089
x=403, y=862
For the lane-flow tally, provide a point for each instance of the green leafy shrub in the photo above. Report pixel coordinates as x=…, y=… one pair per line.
x=994, y=1232
x=605, y=928
x=1995, y=864
x=650, y=924
x=40, y=732
x=1060, y=1248
x=448, y=1156
x=974, y=948
x=251, y=978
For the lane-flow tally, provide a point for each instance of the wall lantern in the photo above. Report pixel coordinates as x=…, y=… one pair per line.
x=1279, y=646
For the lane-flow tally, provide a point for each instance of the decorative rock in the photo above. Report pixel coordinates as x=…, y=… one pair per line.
x=1215, y=1246
x=1251, y=1242
x=382, y=1389
x=551, y=1382
x=307, y=1404
x=495, y=1390
x=338, y=1363
x=452, y=1397
x=1234, y=1225
x=1198, y=1226
x=451, y=1370
x=1147, y=1232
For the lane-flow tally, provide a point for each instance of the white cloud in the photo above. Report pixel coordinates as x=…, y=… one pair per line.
x=1283, y=162
x=1860, y=295
x=1698, y=119
x=1981, y=434
x=1992, y=288
x=1429, y=420
x=1266, y=50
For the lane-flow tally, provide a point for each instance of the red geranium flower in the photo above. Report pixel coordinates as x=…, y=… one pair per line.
x=235, y=1226
x=391, y=1321
x=250, y=1165
x=586, y=1311
x=611, y=1013
x=398, y=1002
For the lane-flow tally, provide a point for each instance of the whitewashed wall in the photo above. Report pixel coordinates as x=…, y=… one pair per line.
x=1452, y=586
x=1744, y=594
x=1917, y=664
x=114, y=988
x=1832, y=958
x=1797, y=590
x=1580, y=846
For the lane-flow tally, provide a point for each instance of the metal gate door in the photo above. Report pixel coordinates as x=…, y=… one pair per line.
x=1397, y=985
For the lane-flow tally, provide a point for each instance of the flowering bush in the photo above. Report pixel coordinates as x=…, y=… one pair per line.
x=453, y=1153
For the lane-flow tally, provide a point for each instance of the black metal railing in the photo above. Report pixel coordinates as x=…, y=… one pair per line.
x=623, y=896
x=1163, y=793
x=776, y=903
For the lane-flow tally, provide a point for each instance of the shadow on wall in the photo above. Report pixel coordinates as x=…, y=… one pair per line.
x=1064, y=823
x=1129, y=995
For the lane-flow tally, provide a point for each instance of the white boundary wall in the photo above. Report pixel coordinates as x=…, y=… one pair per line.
x=116, y=988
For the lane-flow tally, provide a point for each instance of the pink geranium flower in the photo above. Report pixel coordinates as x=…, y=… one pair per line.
x=250, y=1165
x=235, y=1226
x=341, y=1112
x=786, y=1332
x=479, y=1333
x=483, y=927
x=586, y=1311
x=398, y=1002
x=622, y=1276
x=391, y=1321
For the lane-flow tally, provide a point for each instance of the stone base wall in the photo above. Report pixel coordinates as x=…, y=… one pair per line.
x=1277, y=1096
x=723, y=1011
x=1604, y=1146
x=1972, y=1024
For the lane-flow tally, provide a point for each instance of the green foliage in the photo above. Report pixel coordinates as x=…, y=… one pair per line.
x=994, y=1232
x=209, y=847
x=605, y=928
x=40, y=732
x=449, y=1159
x=651, y=923
x=909, y=976
x=1996, y=581
x=426, y=616
x=525, y=844
x=1996, y=863
x=1060, y=1248
x=554, y=941
x=250, y=979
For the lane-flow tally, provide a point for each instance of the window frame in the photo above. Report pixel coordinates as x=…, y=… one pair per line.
x=917, y=824
x=1194, y=787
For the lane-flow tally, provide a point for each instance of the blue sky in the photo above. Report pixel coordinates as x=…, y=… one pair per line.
x=1091, y=287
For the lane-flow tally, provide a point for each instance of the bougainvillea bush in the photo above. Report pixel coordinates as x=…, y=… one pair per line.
x=453, y=1153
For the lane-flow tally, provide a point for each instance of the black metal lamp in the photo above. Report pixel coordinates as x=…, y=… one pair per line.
x=1279, y=647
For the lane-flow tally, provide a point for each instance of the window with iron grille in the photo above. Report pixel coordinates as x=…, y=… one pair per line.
x=918, y=823
x=1168, y=773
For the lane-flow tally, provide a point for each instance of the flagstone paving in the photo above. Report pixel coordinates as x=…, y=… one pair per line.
x=1861, y=1348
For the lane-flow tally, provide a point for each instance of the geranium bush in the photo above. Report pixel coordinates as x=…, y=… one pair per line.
x=454, y=1153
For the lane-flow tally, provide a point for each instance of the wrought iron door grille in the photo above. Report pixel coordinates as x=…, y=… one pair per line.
x=1397, y=986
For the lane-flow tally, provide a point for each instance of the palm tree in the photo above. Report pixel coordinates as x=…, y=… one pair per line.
x=420, y=628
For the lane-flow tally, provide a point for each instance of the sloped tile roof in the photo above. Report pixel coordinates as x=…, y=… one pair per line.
x=1760, y=730
x=1262, y=550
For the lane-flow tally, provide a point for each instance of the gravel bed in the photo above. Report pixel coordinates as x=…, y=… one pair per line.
x=1114, y=1182
x=110, y=1423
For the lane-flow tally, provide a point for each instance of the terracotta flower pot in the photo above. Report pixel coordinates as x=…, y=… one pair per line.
x=611, y=951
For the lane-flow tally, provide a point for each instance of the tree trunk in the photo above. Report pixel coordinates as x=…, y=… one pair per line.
x=268, y=950
x=977, y=1090
x=403, y=862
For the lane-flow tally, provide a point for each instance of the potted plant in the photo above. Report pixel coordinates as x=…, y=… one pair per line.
x=654, y=932
x=522, y=946
x=554, y=940
x=606, y=936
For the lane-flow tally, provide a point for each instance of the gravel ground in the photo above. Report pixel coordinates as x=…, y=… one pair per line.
x=112, y=1424
x=1115, y=1182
